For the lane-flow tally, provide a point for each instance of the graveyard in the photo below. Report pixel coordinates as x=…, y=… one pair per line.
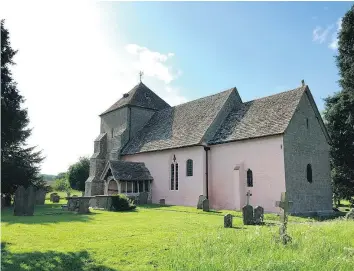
x=162, y=237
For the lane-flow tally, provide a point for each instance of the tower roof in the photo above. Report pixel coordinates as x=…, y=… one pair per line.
x=140, y=96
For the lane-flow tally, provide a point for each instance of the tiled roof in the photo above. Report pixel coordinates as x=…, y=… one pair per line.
x=129, y=171
x=262, y=117
x=179, y=126
x=140, y=96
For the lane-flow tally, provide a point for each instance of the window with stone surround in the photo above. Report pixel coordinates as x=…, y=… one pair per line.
x=249, y=178
x=189, y=167
x=174, y=174
x=309, y=173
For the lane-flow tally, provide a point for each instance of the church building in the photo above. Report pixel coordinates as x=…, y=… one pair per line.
x=217, y=146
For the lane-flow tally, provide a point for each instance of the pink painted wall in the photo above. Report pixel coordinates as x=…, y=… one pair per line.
x=159, y=163
x=264, y=156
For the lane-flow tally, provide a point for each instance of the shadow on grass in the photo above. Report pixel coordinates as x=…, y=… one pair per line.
x=48, y=261
x=45, y=214
x=323, y=217
x=170, y=208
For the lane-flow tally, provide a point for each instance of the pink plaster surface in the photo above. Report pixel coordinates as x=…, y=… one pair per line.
x=159, y=163
x=264, y=156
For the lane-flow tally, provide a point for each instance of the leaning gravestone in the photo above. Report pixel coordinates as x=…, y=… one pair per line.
x=200, y=202
x=40, y=196
x=206, y=205
x=247, y=214
x=20, y=201
x=258, y=215
x=52, y=195
x=228, y=221
x=56, y=198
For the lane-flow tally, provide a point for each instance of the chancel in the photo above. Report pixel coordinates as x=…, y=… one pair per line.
x=218, y=147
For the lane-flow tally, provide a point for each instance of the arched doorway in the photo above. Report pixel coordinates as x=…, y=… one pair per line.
x=112, y=187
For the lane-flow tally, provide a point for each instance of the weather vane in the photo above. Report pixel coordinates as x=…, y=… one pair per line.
x=141, y=75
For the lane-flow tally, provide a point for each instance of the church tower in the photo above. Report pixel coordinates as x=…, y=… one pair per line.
x=119, y=124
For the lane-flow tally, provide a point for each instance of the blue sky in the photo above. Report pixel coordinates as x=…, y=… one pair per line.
x=89, y=53
x=259, y=47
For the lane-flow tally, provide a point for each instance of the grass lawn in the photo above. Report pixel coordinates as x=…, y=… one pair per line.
x=168, y=238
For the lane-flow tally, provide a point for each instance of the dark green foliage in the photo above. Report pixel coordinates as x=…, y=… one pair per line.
x=61, y=185
x=339, y=114
x=121, y=202
x=78, y=173
x=20, y=165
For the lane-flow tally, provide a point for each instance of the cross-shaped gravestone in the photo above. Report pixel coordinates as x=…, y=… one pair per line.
x=285, y=205
x=248, y=195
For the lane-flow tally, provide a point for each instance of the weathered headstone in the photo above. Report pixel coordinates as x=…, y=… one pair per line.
x=20, y=201
x=258, y=215
x=162, y=201
x=40, y=196
x=285, y=205
x=143, y=197
x=31, y=200
x=350, y=214
x=84, y=204
x=56, y=198
x=200, y=201
x=228, y=221
x=206, y=205
x=52, y=195
x=247, y=214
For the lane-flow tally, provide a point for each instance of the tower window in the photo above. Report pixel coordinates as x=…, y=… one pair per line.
x=249, y=178
x=309, y=173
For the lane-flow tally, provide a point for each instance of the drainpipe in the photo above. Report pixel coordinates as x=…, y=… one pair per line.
x=206, y=171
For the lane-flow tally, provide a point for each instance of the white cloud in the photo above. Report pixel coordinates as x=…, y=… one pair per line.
x=69, y=71
x=334, y=43
x=320, y=34
x=152, y=63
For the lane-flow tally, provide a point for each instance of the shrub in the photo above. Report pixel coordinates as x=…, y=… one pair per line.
x=121, y=202
x=61, y=185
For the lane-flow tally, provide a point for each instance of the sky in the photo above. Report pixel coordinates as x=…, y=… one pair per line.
x=75, y=59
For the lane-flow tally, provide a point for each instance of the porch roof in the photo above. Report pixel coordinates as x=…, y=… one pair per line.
x=129, y=171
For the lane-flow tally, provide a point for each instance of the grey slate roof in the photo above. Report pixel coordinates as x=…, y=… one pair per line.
x=129, y=171
x=262, y=117
x=140, y=96
x=179, y=126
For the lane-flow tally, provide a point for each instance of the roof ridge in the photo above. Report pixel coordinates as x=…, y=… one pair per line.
x=204, y=97
x=279, y=93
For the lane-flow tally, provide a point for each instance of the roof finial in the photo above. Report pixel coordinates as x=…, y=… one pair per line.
x=303, y=82
x=141, y=75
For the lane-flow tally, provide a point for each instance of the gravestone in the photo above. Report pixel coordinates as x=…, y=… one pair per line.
x=40, y=196
x=52, y=195
x=247, y=214
x=162, y=201
x=24, y=201
x=56, y=198
x=73, y=203
x=285, y=205
x=200, y=201
x=20, y=201
x=350, y=214
x=258, y=215
x=206, y=205
x=228, y=221
x=143, y=197
x=84, y=204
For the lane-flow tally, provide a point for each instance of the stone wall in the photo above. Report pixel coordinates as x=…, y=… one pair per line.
x=305, y=143
x=138, y=118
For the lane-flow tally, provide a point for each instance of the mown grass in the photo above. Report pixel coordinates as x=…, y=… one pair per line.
x=168, y=238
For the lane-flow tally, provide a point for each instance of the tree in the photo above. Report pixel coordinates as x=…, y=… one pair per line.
x=61, y=185
x=20, y=164
x=78, y=173
x=339, y=113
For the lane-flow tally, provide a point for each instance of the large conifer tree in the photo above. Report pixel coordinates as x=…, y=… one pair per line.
x=20, y=165
x=339, y=113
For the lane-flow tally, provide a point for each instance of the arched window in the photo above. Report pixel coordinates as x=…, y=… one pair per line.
x=309, y=173
x=189, y=169
x=174, y=174
x=249, y=178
